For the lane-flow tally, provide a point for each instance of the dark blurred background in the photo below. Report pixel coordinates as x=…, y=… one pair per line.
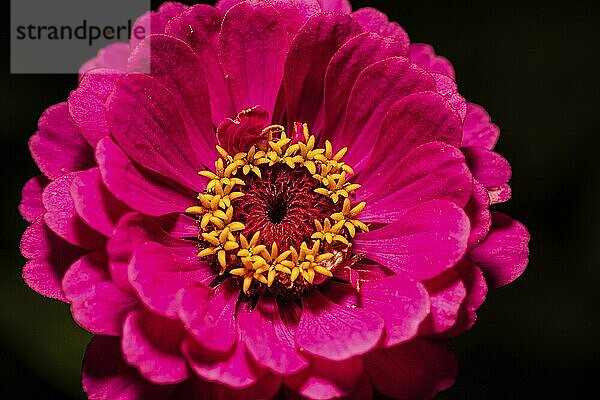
x=534, y=66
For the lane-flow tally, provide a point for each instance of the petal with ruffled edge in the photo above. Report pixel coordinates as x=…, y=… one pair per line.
x=239, y=134
x=265, y=388
x=310, y=53
x=254, y=65
x=447, y=87
x=373, y=20
x=427, y=240
x=154, y=22
x=140, y=189
x=415, y=370
x=157, y=275
x=94, y=203
x=113, y=56
x=106, y=376
x=132, y=231
x=479, y=130
x=49, y=257
x=479, y=214
x=491, y=170
x=336, y=6
x=424, y=55
x=504, y=254
x=31, y=205
x=268, y=332
x=62, y=217
x=208, y=314
x=58, y=147
x=97, y=304
x=431, y=171
x=326, y=379
x=335, y=332
x=447, y=293
x=152, y=344
x=235, y=369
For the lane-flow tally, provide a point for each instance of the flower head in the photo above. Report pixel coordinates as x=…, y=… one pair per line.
x=294, y=201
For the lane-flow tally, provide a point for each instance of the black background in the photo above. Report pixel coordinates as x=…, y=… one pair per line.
x=534, y=66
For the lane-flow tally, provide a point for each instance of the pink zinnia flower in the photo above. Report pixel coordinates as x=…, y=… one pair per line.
x=338, y=232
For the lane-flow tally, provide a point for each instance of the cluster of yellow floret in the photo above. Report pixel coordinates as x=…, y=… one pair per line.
x=260, y=262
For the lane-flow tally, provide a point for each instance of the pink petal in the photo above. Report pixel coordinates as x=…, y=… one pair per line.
x=424, y=55
x=431, y=171
x=447, y=293
x=31, y=205
x=254, y=65
x=157, y=275
x=199, y=27
x=97, y=304
x=427, y=240
x=49, y=257
x=336, y=332
x=113, y=56
x=137, y=187
x=479, y=214
x=235, y=370
x=146, y=122
x=401, y=302
x=479, y=130
x=504, y=254
x=416, y=370
x=58, y=147
x=87, y=103
x=152, y=344
x=209, y=315
x=135, y=229
x=414, y=120
x=326, y=379
x=62, y=217
x=154, y=22
x=268, y=332
x=106, y=376
x=446, y=86
x=309, y=55
x=265, y=388
x=345, y=67
x=373, y=20
x=377, y=88
x=336, y=6
x=170, y=61
x=239, y=134
x=94, y=203
x=296, y=12
x=489, y=168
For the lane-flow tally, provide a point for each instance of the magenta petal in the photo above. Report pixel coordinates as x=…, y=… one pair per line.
x=94, y=203
x=97, y=304
x=337, y=6
x=152, y=344
x=147, y=124
x=268, y=332
x=504, y=254
x=106, y=376
x=479, y=214
x=113, y=56
x=62, y=217
x=446, y=86
x=135, y=229
x=310, y=53
x=431, y=171
x=58, y=147
x=401, y=302
x=157, y=275
x=336, y=332
x=140, y=189
x=239, y=134
x=425, y=241
x=209, y=314
x=424, y=55
x=473, y=279
x=491, y=170
x=49, y=257
x=377, y=88
x=415, y=120
x=265, y=388
x=31, y=205
x=154, y=22
x=254, y=65
x=345, y=67
x=447, y=293
x=373, y=20
x=296, y=12
x=199, y=27
x=479, y=130
x=235, y=370
x=326, y=379
x=170, y=61
x=416, y=370
x=87, y=103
